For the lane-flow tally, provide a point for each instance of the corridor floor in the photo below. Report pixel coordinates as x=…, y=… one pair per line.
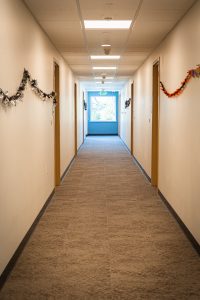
x=106, y=235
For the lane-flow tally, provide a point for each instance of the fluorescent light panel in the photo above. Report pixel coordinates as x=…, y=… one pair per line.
x=105, y=78
x=107, y=24
x=105, y=57
x=104, y=68
x=105, y=82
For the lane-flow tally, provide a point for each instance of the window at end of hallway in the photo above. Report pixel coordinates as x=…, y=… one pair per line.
x=103, y=109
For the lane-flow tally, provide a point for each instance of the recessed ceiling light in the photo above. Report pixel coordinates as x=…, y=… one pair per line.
x=105, y=57
x=105, y=45
x=105, y=78
x=107, y=24
x=104, y=68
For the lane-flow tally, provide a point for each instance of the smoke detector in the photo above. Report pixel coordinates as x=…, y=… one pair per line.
x=106, y=48
x=108, y=18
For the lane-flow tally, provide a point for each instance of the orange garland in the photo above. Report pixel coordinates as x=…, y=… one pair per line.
x=193, y=73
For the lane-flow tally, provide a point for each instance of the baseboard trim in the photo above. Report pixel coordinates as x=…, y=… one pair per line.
x=23, y=243
x=125, y=145
x=67, y=169
x=184, y=228
x=71, y=162
x=136, y=161
x=79, y=148
x=143, y=171
x=186, y=231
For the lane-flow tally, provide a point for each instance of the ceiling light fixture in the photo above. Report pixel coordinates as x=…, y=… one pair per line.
x=105, y=56
x=104, y=68
x=105, y=77
x=106, y=48
x=105, y=45
x=107, y=24
x=104, y=82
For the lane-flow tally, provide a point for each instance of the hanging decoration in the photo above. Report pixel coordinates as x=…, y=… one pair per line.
x=84, y=105
x=12, y=100
x=193, y=73
x=127, y=103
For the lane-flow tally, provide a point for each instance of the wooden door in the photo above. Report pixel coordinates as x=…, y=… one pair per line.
x=83, y=117
x=57, y=125
x=132, y=117
x=75, y=119
x=155, y=126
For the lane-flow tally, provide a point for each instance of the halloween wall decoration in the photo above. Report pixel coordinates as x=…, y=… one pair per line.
x=193, y=73
x=12, y=100
x=84, y=105
x=127, y=103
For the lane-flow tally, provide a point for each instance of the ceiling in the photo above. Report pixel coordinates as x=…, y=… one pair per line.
x=62, y=20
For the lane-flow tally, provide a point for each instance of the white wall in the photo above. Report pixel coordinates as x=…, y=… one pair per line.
x=66, y=116
x=179, y=137
x=82, y=115
x=27, y=130
x=86, y=115
x=125, y=115
x=80, y=112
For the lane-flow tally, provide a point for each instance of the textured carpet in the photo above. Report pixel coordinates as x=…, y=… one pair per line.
x=106, y=235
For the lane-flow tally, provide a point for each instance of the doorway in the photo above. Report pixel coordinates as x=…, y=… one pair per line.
x=83, y=117
x=132, y=115
x=75, y=119
x=57, y=125
x=155, y=125
x=103, y=113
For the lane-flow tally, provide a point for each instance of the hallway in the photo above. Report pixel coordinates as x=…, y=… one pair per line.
x=105, y=235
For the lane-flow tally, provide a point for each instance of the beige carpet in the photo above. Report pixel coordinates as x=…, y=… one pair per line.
x=106, y=235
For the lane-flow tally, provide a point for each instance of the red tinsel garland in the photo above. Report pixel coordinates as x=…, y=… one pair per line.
x=193, y=73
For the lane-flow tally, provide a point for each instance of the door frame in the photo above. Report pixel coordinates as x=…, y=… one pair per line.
x=132, y=117
x=75, y=118
x=83, y=117
x=56, y=82
x=155, y=123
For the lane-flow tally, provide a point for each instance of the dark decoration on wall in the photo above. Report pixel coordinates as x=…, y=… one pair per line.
x=12, y=100
x=127, y=103
x=84, y=105
x=193, y=73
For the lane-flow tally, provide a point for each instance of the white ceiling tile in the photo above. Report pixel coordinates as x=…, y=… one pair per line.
x=51, y=10
x=100, y=9
x=60, y=20
x=76, y=58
